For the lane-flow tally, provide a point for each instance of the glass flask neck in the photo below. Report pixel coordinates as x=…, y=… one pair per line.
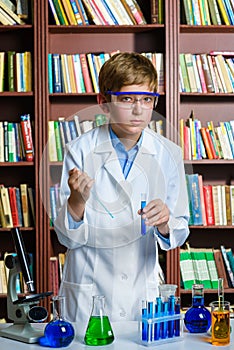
x=98, y=305
x=58, y=307
x=198, y=295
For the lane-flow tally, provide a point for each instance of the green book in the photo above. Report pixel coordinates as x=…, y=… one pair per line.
x=186, y=269
x=201, y=267
x=11, y=70
x=184, y=72
x=212, y=268
x=58, y=142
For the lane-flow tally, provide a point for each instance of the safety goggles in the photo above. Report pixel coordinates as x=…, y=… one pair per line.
x=129, y=99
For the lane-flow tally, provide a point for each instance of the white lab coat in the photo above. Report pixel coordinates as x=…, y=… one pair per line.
x=109, y=256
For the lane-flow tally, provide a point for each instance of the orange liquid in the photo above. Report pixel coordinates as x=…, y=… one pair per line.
x=220, y=327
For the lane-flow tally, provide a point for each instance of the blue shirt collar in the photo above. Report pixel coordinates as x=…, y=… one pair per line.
x=116, y=141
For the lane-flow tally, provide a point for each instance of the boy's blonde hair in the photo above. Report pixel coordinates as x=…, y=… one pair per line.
x=127, y=68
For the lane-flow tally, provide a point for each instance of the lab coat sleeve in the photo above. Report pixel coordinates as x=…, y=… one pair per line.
x=70, y=234
x=177, y=202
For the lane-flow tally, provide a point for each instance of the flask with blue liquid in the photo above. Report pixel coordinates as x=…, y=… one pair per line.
x=58, y=332
x=198, y=317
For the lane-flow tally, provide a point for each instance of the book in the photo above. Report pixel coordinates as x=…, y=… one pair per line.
x=210, y=150
x=31, y=201
x=3, y=277
x=85, y=73
x=223, y=12
x=54, y=13
x=6, y=208
x=52, y=150
x=77, y=12
x=209, y=206
x=230, y=257
x=203, y=209
x=207, y=73
x=82, y=11
x=227, y=266
x=200, y=267
x=92, y=14
x=25, y=205
x=59, y=149
x=14, y=207
x=222, y=68
x=26, y=128
x=69, y=12
x=186, y=269
x=214, y=12
x=56, y=73
x=190, y=69
x=184, y=73
x=213, y=272
x=195, y=198
x=60, y=12
x=220, y=267
x=8, y=11
x=136, y=11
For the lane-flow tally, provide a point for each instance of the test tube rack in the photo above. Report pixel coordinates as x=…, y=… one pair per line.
x=160, y=330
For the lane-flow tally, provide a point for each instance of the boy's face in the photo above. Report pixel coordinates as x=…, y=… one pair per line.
x=130, y=114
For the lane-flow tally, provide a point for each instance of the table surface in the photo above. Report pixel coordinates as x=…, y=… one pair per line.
x=126, y=337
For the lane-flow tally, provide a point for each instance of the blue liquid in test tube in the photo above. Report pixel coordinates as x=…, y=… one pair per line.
x=171, y=306
x=177, y=322
x=158, y=313
x=144, y=331
x=150, y=316
x=165, y=323
x=143, y=204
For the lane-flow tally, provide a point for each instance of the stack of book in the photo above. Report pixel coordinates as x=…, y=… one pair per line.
x=78, y=73
x=11, y=14
x=16, y=142
x=206, y=265
x=17, y=206
x=207, y=12
x=207, y=72
x=15, y=71
x=207, y=141
x=99, y=12
x=62, y=131
x=209, y=204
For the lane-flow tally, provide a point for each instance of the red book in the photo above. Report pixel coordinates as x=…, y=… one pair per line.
x=209, y=206
x=13, y=205
x=85, y=72
x=208, y=143
x=27, y=137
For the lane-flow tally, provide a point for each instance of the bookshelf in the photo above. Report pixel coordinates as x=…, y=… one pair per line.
x=171, y=38
x=207, y=106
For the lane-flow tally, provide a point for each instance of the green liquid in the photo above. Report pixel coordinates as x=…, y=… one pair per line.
x=99, y=331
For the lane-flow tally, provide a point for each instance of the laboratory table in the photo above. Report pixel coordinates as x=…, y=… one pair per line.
x=126, y=338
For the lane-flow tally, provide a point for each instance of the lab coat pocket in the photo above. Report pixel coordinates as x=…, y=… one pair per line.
x=78, y=304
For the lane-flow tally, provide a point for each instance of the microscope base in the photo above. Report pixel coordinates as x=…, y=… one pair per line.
x=23, y=332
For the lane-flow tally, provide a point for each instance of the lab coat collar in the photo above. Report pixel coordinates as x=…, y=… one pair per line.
x=111, y=162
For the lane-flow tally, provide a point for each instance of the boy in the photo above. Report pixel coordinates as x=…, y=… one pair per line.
x=105, y=172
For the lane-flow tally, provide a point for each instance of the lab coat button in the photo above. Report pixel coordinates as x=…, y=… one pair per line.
x=122, y=313
x=124, y=276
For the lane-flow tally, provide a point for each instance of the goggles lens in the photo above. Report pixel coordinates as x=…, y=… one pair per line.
x=128, y=100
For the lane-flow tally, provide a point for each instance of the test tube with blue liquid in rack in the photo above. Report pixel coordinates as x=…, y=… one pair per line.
x=164, y=324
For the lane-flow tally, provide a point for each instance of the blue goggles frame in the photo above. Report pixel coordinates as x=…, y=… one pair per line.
x=119, y=93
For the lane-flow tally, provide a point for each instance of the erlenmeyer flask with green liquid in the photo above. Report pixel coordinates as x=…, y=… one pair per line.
x=99, y=331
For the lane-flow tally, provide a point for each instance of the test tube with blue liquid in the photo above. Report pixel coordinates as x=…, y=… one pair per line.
x=143, y=204
x=171, y=307
x=150, y=316
x=144, y=334
x=177, y=312
x=165, y=323
x=158, y=313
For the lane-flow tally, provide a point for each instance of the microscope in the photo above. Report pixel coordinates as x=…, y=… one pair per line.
x=22, y=310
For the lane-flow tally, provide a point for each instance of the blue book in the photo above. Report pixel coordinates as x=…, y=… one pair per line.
x=50, y=74
x=229, y=11
x=195, y=199
x=83, y=12
x=72, y=127
x=105, y=3
x=57, y=78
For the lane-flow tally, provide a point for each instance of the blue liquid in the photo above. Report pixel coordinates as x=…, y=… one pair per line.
x=143, y=226
x=197, y=318
x=58, y=334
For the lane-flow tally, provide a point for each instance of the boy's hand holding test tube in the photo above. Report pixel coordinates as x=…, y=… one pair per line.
x=154, y=213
